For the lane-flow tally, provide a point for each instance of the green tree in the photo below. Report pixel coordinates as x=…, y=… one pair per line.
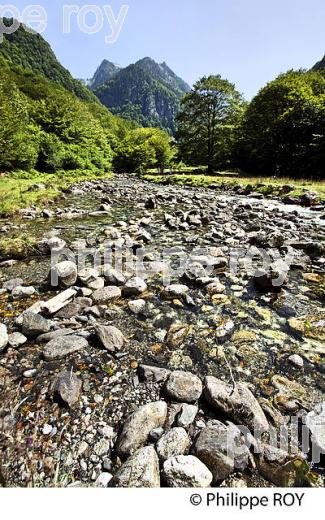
x=283, y=132
x=144, y=148
x=208, y=122
x=18, y=137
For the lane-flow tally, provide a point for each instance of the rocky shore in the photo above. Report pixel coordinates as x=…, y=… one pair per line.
x=174, y=362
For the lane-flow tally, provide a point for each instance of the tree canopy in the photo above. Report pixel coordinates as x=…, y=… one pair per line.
x=208, y=122
x=144, y=148
x=283, y=132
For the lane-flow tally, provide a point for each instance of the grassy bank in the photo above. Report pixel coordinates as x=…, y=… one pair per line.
x=19, y=190
x=233, y=181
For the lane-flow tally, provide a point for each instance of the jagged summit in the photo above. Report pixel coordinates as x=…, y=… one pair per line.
x=146, y=91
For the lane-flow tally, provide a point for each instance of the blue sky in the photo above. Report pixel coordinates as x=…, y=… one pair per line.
x=247, y=41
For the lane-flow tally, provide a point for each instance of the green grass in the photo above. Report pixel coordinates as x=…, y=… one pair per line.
x=230, y=180
x=15, y=192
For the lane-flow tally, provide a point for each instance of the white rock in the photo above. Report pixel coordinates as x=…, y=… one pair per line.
x=186, y=471
x=16, y=339
x=103, y=479
x=296, y=360
x=47, y=428
x=3, y=336
x=137, y=306
x=20, y=292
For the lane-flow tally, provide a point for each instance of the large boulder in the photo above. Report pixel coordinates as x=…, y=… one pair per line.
x=139, y=471
x=138, y=426
x=111, y=338
x=64, y=346
x=184, y=386
x=238, y=403
x=222, y=448
x=186, y=471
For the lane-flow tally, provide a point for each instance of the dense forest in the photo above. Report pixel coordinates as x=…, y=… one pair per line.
x=280, y=133
x=51, y=122
x=48, y=125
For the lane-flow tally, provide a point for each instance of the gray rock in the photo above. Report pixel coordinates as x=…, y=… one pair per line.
x=106, y=295
x=186, y=471
x=222, y=448
x=139, y=471
x=134, y=287
x=153, y=374
x=237, y=403
x=187, y=415
x=3, y=336
x=69, y=311
x=16, y=339
x=111, y=338
x=64, y=346
x=67, y=388
x=94, y=285
x=45, y=338
x=55, y=244
x=63, y=274
x=34, y=324
x=172, y=443
x=184, y=386
x=138, y=426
